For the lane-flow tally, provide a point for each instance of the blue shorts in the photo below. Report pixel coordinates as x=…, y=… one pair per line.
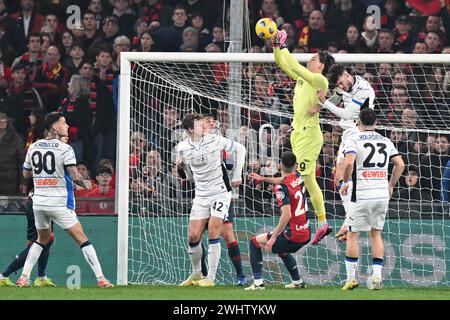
x=284, y=245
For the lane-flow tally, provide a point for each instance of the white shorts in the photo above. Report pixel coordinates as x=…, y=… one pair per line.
x=65, y=218
x=367, y=215
x=216, y=206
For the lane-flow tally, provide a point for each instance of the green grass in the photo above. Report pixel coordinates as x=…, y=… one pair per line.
x=223, y=293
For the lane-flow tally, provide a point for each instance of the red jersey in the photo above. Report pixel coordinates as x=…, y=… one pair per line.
x=105, y=206
x=291, y=191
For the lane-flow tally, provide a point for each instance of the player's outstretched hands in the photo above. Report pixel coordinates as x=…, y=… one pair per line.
x=236, y=183
x=279, y=39
x=256, y=177
x=342, y=233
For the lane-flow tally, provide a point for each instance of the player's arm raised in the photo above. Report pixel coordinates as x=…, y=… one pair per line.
x=240, y=152
x=77, y=178
x=399, y=166
x=346, y=113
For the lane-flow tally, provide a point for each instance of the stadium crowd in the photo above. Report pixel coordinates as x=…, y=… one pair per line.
x=46, y=66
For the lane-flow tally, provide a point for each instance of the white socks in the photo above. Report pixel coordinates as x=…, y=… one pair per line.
x=32, y=257
x=213, y=258
x=195, y=254
x=91, y=258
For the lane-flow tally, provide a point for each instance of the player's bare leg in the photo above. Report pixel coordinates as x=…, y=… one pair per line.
x=77, y=233
x=33, y=256
x=195, y=231
x=316, y=197
x=234, y=252
x=214, y=248
x=351, y=260
x=374, y=282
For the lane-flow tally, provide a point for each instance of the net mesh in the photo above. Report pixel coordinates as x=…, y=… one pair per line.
x=413, y=104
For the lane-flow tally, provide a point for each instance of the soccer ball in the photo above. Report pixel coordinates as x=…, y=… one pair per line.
x=266, y=28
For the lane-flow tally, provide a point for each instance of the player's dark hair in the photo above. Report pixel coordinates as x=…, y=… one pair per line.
x=368, y=117
x=51, y=118
x=327, y=59
x=209, y=115
x=289, y=161
x=335, y=72
x=189, y=120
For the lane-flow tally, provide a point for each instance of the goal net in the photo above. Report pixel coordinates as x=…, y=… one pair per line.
x=252, y=101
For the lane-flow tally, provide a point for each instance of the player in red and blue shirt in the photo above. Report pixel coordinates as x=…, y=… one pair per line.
x=292, y=231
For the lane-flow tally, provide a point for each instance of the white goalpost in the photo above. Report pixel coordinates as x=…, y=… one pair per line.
x=156, y=90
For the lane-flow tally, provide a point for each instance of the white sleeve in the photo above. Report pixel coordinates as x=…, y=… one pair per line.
x=27, y=162
x=239, y=161
x=68, y=157
x=225, y=143
x=350, y=146
x=347, y=112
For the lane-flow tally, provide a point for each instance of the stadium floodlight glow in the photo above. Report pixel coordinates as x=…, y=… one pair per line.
x=158, y=89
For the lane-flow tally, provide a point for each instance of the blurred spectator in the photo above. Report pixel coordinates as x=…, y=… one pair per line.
x=103, y=116
x=398, y=137
x=5, y=75
x=121, y=44
x=140, y=25
x=108, y=163
x=33, y=58
x=110, y=32
x=156, y=13
x=409, y=118
x=432, y=167
x=446, y=183
x=301, y=20
x=352, y=42
x=11, y=159
x=269, y=9
x=103, y=190
x=385, y=42
x=433, y=42
x=420, y=47
x=83, y=169
x=391, y=11
x=138, y=147
x=95, y=6
x=205, y=36
x=170, y=38
x=313, y=35
x=27, y=21
x=51, y=79
x=255, y=191
x=154, y=181
x=46, y=42
x=22, y=98
x=412, y=191
x=91, y=31
x=37, y=127
x=291, y=40
x=73, y=61
x=341, y=14
x=66, y=44
x=126, y=17
x=171, y=125
x=190, y=40
x=179, y=187
x=219, y=37
x=104, y=69
x=402, y=33
x=399, y=101
x=146, y=43
x=78, y=116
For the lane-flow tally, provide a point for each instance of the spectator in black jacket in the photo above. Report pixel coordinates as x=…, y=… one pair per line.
x=11, y=159
x=22, y=98
x=101, y=105
x=126, y=17
x=170, y=38
x=78, y=116
x=412, y=190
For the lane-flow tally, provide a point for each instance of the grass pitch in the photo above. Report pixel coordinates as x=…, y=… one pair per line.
x=222, y=293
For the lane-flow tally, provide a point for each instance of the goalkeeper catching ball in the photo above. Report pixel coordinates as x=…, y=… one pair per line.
x=306, y=138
